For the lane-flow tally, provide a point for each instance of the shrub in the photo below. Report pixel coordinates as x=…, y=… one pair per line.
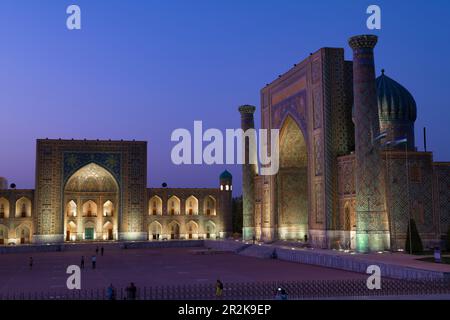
x=415, y=242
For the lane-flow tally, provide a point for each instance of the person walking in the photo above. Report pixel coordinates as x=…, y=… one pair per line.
x=94, y=261
x=131, y=292
x=96, y=251
x=31, y=263
x=219, y=289
x=102, y=250
x=111, y=292
x=82, y=262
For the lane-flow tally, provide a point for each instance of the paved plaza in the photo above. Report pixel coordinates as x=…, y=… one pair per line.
x=149, y=267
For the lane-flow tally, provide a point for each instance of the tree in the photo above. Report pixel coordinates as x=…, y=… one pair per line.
x=237, y=211
x=415, y=241
x=448, y=239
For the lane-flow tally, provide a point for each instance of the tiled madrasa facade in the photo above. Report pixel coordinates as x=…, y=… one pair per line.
x=97, y=190
x=338, y=184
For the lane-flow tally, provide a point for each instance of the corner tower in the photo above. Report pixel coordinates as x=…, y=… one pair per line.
x=226, y=191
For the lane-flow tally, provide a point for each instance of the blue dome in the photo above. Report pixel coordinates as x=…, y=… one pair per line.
x=395, y=103
x=225, y=175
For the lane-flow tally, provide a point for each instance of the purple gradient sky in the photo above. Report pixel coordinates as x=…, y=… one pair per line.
x=138, y=70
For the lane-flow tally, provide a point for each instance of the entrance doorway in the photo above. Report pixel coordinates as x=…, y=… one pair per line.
x=175, y=231
x=89, y=234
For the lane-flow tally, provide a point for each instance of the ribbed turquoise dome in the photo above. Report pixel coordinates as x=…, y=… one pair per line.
x=226, y=175
x=395, y=103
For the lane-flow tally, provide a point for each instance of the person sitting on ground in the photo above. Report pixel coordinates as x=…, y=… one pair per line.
x=219, y=288
x=281, y=294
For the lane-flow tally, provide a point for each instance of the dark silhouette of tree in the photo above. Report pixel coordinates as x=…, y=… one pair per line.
x=447, y=244
x=416, y=242
x=237, y=214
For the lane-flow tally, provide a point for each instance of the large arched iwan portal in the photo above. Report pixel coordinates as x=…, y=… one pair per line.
x=292, y=182
x=91, y=205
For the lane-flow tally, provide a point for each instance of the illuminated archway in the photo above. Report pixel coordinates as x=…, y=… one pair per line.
x=210, y=229
x=3, y=235
x=292, y=181
x=23, y=234
x=154, y=231
x=192, y=230
x=23, y=207
x=108, y=209
x=93, y=191
x=71, y=209
x=209, y=206
x=4, y=208
x=191, y=206
x=155, y=206
x=71, y=231
x=173, y=206
x=108, y=231
x=174, y=230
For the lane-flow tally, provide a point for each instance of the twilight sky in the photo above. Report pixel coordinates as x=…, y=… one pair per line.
x=140, y=69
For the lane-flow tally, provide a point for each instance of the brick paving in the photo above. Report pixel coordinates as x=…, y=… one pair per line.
x=149, y=267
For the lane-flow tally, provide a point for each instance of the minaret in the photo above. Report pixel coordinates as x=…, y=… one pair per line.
x=226, y=199
x=372, y=230
x=249, y=172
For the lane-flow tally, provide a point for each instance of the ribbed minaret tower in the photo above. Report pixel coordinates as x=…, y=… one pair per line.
x=372, y=229
x=249, y=172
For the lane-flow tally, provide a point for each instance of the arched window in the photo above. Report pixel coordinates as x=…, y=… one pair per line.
x=210, y=229
x=210, y=206
x=108, y=209
x=192, y=230
x=155, y=206
x=4, y=208
x=71, y=209
x=191, y=206
x=174, y=207
x=174, y=230
x=90, y=209
x=24, y=234
x=3, y=235
x=23, y=208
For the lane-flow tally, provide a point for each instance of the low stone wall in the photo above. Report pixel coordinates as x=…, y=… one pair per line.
x=225, y=245
x=163, y=244
x=31, y=248
x=258, y=251
x=349, y=264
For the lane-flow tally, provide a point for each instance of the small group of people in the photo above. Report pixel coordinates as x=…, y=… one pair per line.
x=93, y=258
x=131, y=292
